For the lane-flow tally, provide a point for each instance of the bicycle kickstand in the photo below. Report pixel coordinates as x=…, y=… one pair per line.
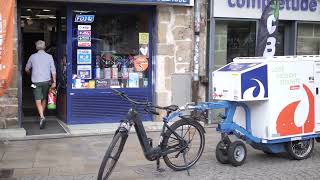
x=158, y=166
x=185, y=162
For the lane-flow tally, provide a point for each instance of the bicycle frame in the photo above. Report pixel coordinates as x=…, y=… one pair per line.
x=151, y=153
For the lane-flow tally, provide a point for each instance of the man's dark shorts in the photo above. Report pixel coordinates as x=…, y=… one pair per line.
x=41, y=90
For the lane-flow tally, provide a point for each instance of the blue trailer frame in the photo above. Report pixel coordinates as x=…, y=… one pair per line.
x=228, y=127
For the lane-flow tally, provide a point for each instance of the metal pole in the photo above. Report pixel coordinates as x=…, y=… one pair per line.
x=196, y=57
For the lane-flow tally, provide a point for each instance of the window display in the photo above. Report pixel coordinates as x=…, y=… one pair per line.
x=110, y=50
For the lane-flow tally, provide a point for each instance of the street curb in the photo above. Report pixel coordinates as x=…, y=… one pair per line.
x=95, y=133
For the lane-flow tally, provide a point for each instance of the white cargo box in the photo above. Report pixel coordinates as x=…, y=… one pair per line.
x=281, y=92
x=241, y=81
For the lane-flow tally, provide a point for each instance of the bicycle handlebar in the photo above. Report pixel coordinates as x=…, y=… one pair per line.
x=147, y=104
x=123, y=95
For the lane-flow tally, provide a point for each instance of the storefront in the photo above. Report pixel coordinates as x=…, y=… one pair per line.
x=234, y=25
x=134, y=46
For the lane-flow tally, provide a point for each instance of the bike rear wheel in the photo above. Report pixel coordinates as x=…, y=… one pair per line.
x=192, y=132
x=112, y=155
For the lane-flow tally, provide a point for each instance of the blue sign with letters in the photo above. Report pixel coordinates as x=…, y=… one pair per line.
x=84, y=18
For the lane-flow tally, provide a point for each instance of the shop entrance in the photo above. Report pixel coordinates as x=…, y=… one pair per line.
x=47, y=24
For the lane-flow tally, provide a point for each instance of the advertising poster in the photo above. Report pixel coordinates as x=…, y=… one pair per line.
x=84, y=18
x=84, y=56
x=84, y=33
x=84, y=71
x=84, y=27
x=6, y=43
x=84, y=41
x=84, y=38
x=102, y=84
x=143, y=38
x=133, y=80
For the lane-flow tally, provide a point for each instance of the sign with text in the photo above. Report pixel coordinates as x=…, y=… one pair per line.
x=84, y=56
x=84, y=71
x=84, y=27
x=84, y=18
x=6, y=44
x=303, y=10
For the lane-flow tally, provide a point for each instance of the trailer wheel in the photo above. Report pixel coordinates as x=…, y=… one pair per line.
x=301, y=149
x=237, y=153
x=222, y=152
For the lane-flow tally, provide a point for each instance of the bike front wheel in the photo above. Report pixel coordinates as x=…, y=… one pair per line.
x=112, y=155
x=193, y=135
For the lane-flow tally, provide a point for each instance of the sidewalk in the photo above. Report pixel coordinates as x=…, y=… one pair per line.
x=79, y=158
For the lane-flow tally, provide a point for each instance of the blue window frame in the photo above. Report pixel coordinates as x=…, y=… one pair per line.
x=86, y=103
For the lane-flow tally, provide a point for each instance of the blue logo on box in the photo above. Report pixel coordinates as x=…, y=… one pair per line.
x=254, y=83
x=84, y=18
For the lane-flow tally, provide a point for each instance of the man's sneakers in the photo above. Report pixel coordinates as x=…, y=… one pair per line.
x=42, y=123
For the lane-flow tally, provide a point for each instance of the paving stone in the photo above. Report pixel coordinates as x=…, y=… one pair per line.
x=31, y=172
x=27, y=155
x=16, y=164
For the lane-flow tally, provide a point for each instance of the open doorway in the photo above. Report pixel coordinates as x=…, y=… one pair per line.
x=47, y=24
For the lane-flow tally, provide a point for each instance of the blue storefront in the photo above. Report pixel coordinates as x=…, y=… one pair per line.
x=104, y=44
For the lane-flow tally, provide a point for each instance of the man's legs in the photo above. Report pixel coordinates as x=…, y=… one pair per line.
x=40, y=94
x=40, y=108
x=44, y=105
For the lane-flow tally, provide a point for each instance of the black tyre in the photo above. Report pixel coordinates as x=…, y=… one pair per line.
x=112, y=155
x=237, y=153
x=222, y=153
x=193, y=134
x=301, y=149
x=267, y=152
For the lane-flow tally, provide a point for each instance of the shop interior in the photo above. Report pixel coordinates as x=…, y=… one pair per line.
x=49, y=25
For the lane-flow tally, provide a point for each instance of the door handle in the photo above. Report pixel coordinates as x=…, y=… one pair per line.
x=317, y=91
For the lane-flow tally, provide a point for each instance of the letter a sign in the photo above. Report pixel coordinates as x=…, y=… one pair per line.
x=6, y=44
x=268, y=28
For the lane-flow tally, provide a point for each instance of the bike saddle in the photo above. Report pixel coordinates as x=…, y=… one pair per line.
x=171, y=108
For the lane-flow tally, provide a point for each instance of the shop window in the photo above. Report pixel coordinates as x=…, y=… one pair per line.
x=234, y=39
x=308, y=40
x=110, y=50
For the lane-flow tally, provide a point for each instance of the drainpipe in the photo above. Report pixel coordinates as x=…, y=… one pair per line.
x=196, y=57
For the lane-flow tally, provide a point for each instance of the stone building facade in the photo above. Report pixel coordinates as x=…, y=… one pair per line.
x=9, y=102
x=173, y=52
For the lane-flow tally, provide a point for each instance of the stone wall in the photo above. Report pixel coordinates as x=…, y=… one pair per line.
x=9, y=102
x=175, y=48
x=308, y=40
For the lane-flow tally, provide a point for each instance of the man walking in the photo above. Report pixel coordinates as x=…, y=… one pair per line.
x=42, y=68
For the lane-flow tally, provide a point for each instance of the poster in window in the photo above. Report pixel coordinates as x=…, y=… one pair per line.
x=84, y=41
x=143, y=38
x=84, y=56
x=133, y=80
x=84, y=27
x=84, y=38
x=84, y=71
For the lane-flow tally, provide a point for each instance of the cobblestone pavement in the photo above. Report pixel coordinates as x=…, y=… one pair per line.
x=79, y=159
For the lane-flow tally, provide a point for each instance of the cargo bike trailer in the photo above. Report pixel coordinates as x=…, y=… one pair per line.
x=269, y=103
